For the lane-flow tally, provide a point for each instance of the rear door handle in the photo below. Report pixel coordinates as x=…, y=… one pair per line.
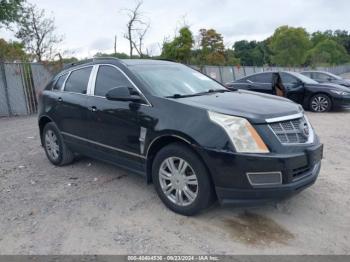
x=93, y=109
x=60, y=99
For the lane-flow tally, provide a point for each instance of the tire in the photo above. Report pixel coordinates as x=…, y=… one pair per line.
x=195, y=197
x=55, y=148
x=320, y=103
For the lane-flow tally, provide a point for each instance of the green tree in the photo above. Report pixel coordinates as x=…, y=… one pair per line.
x=328, y=52
x=212, y=47
x=319, y=36
x=11, y=51
x=180, y=48
x=9, y=11
x=252, y=53
x=342, y=37
x=289, y=46
x=230, y=58
x=243, y=49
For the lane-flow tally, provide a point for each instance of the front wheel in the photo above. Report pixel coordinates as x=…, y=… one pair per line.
x=320, y=103
x=181, y=180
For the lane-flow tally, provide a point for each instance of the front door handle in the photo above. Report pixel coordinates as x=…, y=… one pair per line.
x=93, y=109
x=60, y=99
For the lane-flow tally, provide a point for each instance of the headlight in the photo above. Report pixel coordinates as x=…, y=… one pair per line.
x=241, y=133
x=338, y=92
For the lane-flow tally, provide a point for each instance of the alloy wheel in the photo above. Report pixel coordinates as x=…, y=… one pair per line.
x=178, y=181
x=51, y=145
x=319, y=104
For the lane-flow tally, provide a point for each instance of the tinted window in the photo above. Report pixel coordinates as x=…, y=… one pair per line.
x=308, y=74
x=78, y=80
x=60, y=82
x=261, y=78
x=109, y=77
x=322, y=77
x=288, y=79
x=302, y=78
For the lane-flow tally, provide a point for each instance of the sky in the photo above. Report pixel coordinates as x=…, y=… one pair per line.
x=89, y=26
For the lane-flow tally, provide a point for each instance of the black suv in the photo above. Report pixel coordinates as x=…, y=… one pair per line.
x=194, y=139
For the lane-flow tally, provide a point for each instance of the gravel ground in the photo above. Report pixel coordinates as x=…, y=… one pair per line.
x=91, y=207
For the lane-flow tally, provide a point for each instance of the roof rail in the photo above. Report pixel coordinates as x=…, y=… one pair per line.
x=88, y=61
x=166, y=59
x=105, y=58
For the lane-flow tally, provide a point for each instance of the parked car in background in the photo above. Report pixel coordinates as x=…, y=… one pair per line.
x=326, y=77
x=188, y=134
x=314, y=96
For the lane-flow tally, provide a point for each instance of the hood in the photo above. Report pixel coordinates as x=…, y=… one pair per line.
x=251, y=105
x=343, y=82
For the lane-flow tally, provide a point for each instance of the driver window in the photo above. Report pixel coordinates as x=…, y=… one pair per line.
x=107, y=78
x=289, y=79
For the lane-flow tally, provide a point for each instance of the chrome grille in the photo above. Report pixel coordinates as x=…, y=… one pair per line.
x=290, y=131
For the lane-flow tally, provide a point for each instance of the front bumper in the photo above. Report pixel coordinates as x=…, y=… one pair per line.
x=341, y=102
x=229, y=173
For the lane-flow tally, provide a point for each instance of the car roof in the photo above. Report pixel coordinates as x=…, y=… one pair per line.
x=113, y=60
x=132, y=62
x=315, y=71
x=272, y=71
x=265, y=72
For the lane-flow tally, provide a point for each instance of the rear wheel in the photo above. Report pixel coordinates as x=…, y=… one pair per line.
x=320, y=103
x=181, y=180
x=55, y=148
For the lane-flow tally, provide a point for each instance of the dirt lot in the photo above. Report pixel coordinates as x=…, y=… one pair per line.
x=95, y=208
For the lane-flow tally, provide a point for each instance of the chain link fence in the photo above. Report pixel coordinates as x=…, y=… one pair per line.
x=20, y=83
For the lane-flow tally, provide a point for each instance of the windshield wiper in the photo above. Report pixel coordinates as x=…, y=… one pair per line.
x=217, y=91
x=200, y=93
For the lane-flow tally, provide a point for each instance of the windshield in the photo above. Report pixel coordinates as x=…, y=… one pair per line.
x=333, y=75
x=174, y=80
x=304, y=79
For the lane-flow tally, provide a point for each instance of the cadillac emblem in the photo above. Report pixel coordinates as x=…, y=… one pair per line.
x=304, y=127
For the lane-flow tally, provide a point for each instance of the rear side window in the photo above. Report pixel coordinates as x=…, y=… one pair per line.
x=322, y=77
x=261, y=78
x=78, y=80
x=59, y=83
x=107, y=78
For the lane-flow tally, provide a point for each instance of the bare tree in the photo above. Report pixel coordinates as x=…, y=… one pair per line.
x=138, y=43
x=37, y=33
x=136, y=29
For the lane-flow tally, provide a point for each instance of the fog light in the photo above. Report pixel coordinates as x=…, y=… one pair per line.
x=265, y=178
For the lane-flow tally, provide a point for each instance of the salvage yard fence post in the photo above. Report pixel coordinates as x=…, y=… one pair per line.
x=5, y=106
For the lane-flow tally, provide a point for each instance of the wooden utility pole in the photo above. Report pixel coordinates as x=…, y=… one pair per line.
x=115, y=45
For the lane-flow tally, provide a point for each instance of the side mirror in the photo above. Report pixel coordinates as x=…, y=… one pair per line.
x=122, y=94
